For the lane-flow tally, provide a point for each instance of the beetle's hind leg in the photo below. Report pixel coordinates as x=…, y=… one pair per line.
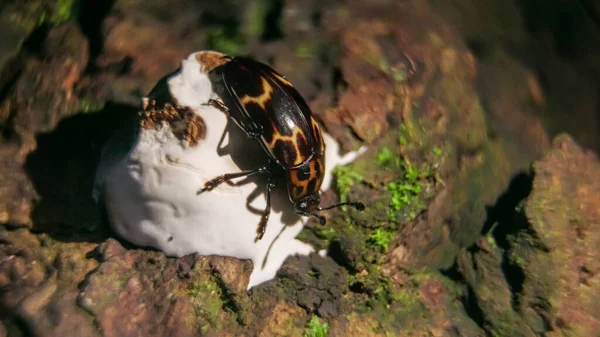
x=252, y=132
x=213, y=183
x=262, y=225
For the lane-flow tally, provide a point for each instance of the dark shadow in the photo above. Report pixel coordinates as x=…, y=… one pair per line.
x=336, y=252
x=592, y=11
x=62, y=169
x=565, y=20
x=503, y=210
x=91, y=15
x=479, y=48
x=507, y=220
x=598, y=116
x=35, y=41
x=272, y=30
x=473, y=309
x=468, y=299
x=264, y=262
x=504, y=218
x=13, y=68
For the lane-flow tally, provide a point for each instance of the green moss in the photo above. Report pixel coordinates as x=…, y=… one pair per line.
x=404, y=192
x=372, y=56
x=422, y=275
x=406, y=195
x=42, y=19
x=404, y=307
x=374, y=284
x=198, y=287
x=326, y=234
x=383, y=294
x=407, y=299
x=522, y=246
x=492, y=241
x=399, y=75
x=408, y=184
x=385, y=155
x=406, y=134
x=412, y=173
x=304, y=50
x=345, y=177
x=226, y=40
x=507, y=324
x=437, y=151
x=402, y=140
x=315, y=328
x=63, y=11
x=86, y=105
x=206, y=299
x=411, y=129
x=255, y=18
x=381, y=238
x=34, y=14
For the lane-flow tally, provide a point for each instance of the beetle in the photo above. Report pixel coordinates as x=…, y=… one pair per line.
x=267, y=107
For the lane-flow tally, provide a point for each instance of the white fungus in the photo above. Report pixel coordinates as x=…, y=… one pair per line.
x=148, y=180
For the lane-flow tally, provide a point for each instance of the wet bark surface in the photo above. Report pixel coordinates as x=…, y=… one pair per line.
x=480, y=221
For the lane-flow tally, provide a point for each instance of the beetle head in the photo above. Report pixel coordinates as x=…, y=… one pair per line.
x=308, y=205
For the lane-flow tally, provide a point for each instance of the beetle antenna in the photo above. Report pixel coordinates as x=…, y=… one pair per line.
x=358, y=205
x=321, y=218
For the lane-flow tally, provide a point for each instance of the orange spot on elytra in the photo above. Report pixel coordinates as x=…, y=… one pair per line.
x=317, y=134
x=262, y=99
x=293, y=139
x=282, y=79
x=301, y=186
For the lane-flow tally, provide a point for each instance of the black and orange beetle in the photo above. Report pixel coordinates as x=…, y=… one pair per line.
x=269, y=109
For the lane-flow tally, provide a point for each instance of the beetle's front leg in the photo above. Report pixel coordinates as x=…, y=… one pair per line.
x=213, y=183
x=262, y=225
x=252, y=133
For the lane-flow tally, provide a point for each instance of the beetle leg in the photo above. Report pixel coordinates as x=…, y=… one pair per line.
x=252, y=132
x=219, y=105
x=262, y=225
x=213, y=183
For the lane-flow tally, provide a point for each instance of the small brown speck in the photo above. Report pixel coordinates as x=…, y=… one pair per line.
x=584, y=275
x=170, y=238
